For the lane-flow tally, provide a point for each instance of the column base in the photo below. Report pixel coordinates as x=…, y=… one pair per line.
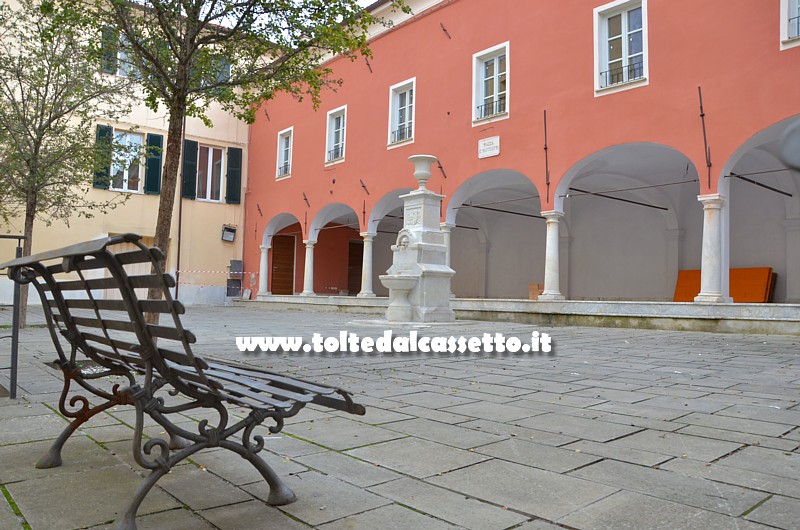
x=712, y=299
x=551, y=297
x=311, y=293
x=365, y=295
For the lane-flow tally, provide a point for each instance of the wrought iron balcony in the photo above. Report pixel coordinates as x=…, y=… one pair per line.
x=336, y=153
x=402, y=134
x=493, y=108
x=623, y=74
x=284, y=169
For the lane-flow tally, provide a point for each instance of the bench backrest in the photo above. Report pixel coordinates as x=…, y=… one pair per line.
x=89, y=298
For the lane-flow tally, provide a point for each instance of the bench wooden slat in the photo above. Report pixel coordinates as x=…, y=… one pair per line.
x=298, y=383
x=258, y=398
x=258, y=385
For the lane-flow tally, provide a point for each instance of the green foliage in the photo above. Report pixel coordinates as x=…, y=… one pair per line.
x=51, y=95
x=237, y=53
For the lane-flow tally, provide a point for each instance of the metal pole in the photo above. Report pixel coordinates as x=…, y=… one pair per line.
x=15, y=334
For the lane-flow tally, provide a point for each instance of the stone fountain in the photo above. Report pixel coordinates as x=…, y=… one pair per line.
x=419, y=278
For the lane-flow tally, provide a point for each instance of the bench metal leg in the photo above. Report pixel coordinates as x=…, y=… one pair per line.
x=80, y=416
x=279, y=493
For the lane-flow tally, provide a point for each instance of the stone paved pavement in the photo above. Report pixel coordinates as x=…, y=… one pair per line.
x=620, y=429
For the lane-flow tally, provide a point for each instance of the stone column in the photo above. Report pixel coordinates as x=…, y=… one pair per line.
x=366, y=266
x=308, y=276
x=551, y=262
x=446, y=228
x=792, y=227
x=263, y=268
x=711, y=276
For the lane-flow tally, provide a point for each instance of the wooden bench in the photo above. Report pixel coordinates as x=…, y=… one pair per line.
x=91, y=306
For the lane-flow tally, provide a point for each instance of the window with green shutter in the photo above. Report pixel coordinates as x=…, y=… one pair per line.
x=103, y=144
x=152, y=172
x=233, y=186
x=189, y=180
x=109, y=47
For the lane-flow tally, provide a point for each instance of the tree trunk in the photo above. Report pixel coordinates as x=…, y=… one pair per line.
x=30, y=217
x=166, y=203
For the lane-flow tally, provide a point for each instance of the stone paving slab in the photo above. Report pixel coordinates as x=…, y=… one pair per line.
x=785, y=444
x=632, y=511
x=341, y=433
x=50, y=502
x=389, y=518
x=680, y=445
x=598, y=431
x=690, y=491
x=8, y=519
x=451, y=507
x=529, y=490
x=737, y=424
x=739, y=477
x=537, y=455
x=614, y=452
x=253, y=514
x=78, y=455
x=418, y=458
x=321, y=499
x=349, y=469
x=444, y=433
x=762, y=460
x=781, y=512
x=516, y=431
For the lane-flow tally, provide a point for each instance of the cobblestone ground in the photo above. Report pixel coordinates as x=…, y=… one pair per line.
x=619, y=429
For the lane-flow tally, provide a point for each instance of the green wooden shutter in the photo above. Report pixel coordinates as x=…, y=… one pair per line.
x=109, y=47
x=104, y=140
x=233, y=187
x=152, y=170
x=189, y=182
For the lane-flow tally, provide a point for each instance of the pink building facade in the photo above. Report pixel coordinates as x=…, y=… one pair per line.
x=571, y=145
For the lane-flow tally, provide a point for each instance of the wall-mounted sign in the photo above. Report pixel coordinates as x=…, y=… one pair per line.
x=489, y=147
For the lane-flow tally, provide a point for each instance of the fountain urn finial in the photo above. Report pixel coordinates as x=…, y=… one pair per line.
x=422, y=168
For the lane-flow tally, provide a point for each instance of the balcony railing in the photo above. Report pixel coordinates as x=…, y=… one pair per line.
x=493, y=108
x=402, y=134
x=336, y=153
x=794, y=27
x=284, y=169
x=623, y=74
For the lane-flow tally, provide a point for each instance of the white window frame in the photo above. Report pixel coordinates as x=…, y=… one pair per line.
x=478, y=60
x=394, y=110
x=209, y=169
x=601, y=16
x=329, y=135
x=790, y=38
x=115, y=166
x=281, y=159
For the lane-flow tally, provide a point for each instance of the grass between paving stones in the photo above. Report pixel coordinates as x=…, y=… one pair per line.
x=14, y=507
x=750, y=510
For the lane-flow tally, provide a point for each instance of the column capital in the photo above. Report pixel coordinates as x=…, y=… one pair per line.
x=367, y=235
x=552, y=215
x=446, y=227
x=264, y=248
x=714, y=201
x=310, y=242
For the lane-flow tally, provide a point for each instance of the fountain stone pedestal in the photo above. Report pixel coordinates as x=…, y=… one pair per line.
x=419, y=278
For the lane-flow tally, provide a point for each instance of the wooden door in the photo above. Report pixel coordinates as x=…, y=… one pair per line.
x=282, y=277
x=355, y=257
